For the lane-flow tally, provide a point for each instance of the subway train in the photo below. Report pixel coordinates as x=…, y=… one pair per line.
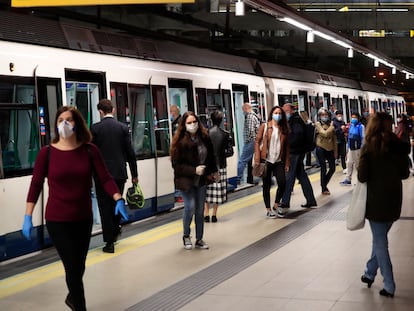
x=77, y=66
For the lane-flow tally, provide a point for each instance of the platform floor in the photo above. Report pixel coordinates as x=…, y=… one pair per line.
x=306, y=261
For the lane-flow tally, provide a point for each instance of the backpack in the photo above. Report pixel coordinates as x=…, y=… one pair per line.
x=310, y=137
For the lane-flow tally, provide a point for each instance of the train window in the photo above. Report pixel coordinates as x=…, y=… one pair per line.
x=119, y=98
x=180, y=93
x=19, y=131
x=257, y=101
x=201, y=104
x=287, y=99
x=161, y=125
x=316, y=102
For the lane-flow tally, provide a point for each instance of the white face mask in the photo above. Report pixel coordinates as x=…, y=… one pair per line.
x=65, y=129
x=191, y=128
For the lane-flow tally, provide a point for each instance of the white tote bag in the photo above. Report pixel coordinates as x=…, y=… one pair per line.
x=355, y=218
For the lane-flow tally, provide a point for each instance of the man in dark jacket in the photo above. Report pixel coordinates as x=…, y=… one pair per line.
x=113, y=140
x=339, y=125
x=296, y=169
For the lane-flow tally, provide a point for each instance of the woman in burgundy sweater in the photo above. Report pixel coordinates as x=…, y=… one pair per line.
x=68, y=163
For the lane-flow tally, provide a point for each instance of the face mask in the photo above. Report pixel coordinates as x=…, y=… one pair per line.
x=366, y=114
x=324, y=119
x=354, y=121
x=277, y=117
x=339, y=118
x=65, y=129
x=191, y=128
x=288, y=115
x=171, y=118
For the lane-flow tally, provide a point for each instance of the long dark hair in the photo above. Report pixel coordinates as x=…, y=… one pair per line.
x=182, y=136
x=83, y=135
x=379, y=132
x=283, y=125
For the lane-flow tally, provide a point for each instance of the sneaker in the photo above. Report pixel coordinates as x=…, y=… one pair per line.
x=345, y=171
x=201, y=244
x=282, y=211
x=346, y=182
x=187, y=242
x=270, y=214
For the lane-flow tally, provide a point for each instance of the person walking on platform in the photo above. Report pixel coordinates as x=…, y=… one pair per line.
x=272, y=147
x=217, y=191
x=296, y=169
x=326, y=147
x=339, y=125
x=175, y=117
x=69, y=163
x=356, y=134
x=251, y=126
x=113, y=140
x=383, y=164
x=192, y=158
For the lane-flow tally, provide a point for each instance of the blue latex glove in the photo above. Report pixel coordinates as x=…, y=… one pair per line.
x=120, y=209
x=27, y=226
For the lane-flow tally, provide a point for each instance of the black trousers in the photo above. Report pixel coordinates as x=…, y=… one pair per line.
x=342, y=154
x=278, y=170
x=71, y=240
x=110, y=222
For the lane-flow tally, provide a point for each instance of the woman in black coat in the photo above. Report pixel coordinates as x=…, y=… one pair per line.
x=383, y=164
x=194, y=167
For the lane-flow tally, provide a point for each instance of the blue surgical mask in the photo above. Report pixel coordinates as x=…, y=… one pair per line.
x=288, y=115
x=277, y=117
x=354, y=121
x=324, y=119
x=172, y=118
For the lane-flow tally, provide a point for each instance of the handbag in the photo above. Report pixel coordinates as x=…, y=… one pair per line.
x=355, y=218
x=229, y=146
x=135, y=197
x=259, y=169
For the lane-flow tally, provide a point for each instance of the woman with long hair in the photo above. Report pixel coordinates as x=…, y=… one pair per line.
x=272, y=147
x=194, y=167
x=383, y=164
x=69, y=163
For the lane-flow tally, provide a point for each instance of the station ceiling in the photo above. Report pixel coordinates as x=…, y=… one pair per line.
x=261, y=34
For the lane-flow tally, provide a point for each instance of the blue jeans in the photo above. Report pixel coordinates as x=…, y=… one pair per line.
x=194, y=205
x=380, y=257
x=297, y=170
x=323, y=156
x=245, y=157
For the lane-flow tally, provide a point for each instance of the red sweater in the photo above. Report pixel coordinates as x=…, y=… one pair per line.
x=69, y=176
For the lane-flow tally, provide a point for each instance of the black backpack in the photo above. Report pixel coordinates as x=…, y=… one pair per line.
x=310, y=137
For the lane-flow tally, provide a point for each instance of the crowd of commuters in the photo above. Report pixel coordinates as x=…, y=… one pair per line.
x=199, y=163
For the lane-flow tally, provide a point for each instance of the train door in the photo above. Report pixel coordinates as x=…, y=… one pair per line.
x=147, y=113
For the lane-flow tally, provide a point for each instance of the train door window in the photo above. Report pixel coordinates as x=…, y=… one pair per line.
x=337, y=104
x=180, y=93
x=19, y=131
x=287, y=99
x=227, y=110
x=257, y=101
x=84, y=89
x=161, y=125
x=374, y=105
x=119, y=98
x=85, y=97
x=316, y=102
x=327, y=100
x=201, y=104
x=303, y=101
x=49, y=100
x=141, y=114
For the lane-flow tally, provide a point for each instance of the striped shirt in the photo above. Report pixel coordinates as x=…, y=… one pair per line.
x=251, y=126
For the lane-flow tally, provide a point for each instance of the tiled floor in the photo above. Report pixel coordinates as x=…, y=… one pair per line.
x=318, y=270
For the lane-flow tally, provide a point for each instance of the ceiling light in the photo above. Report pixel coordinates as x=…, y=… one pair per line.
x=239, y=8
x=350, y=53
x=295, y=23
x=310, y=37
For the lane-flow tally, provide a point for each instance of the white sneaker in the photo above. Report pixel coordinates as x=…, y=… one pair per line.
x=282, y=211
x=270, y=214
x=187, y=242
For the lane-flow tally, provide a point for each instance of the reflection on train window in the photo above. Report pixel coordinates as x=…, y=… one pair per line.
x=316, y=102
x=209, y=100
x=257, y=102
x=19, y=132
x=84, y=96
x=149, y=121
x=119, y=99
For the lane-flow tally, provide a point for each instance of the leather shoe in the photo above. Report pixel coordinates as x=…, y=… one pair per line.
x=69, y=303
x=206, y=218
x=213, y=218
x=366, y=280
x=109, y=248
x=384, y=293
x=309, y=205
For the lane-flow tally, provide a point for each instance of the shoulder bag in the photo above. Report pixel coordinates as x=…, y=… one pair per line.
x=355, y=218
